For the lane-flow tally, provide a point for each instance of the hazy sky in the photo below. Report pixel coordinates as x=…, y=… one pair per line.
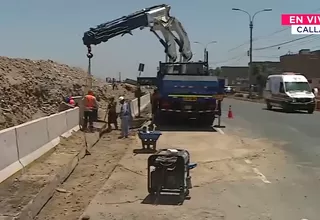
x=43, y=29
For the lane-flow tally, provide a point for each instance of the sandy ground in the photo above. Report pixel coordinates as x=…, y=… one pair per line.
x=222, y=160
x=19, y=189
x=74, y=195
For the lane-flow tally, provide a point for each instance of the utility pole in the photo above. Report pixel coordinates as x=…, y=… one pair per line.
x=251, y=19
x=205, y=52
x=205, y=47
x=119, y=76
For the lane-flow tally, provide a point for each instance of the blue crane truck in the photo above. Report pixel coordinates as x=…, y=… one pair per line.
x=193, y=94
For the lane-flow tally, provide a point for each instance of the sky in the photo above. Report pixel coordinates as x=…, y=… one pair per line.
x=43, y=29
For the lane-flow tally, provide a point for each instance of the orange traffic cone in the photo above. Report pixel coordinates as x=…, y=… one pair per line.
x=230, y=114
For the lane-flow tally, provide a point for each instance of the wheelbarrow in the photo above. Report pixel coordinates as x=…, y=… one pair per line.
x=149, y=139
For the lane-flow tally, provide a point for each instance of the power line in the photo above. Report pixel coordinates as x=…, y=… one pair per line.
x=233, y=58
x=300, y=43
x=266, y=36
x=283, y=43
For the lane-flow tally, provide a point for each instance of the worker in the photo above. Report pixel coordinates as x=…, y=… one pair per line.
x=154, y=103
x=125, y=117
x=112, y=113
x=90, y=105
x=71, y=101
x=114, y=84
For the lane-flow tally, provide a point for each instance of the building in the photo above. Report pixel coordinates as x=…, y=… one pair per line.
x=236, y=75
x=269, y=67
x=305, y=62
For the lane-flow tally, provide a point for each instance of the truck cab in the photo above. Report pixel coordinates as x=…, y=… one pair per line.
x=289, y=91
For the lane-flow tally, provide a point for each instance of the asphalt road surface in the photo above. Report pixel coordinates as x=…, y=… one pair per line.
x=300, y=130
x=294, y=189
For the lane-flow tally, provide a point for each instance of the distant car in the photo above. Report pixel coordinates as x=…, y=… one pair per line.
x=228, y=89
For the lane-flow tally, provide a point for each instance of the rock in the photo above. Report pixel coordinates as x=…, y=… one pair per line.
x=85, y=217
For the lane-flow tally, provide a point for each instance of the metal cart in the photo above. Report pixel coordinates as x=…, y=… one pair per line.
x=149, y=139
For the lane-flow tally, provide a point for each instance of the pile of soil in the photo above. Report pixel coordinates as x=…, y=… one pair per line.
x=31, y=89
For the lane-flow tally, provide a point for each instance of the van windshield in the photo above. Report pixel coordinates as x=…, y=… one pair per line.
x=297, y=86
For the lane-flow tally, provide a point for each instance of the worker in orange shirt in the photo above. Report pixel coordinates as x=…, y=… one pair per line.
x=90, y=106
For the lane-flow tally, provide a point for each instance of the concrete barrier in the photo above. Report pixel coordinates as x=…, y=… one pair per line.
x=57, y=125
x=32, y=139
x=134, y=107
x=25, y=143
x=73, y=119
x=145, y=100
x=9, y=160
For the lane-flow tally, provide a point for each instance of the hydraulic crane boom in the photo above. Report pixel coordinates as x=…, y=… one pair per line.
x=157, y=18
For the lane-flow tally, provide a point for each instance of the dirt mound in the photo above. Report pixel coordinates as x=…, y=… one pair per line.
x=31, y=89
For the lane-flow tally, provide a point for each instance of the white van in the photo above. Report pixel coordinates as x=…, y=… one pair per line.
x=289, y=91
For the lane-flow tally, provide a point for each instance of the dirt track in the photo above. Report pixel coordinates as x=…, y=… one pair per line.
x=75, y=194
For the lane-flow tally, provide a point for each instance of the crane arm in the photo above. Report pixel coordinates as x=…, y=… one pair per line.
x=183, y=41
x=149, y=17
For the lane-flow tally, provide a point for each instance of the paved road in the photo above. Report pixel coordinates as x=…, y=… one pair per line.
x=300, y=130
x=294, y=189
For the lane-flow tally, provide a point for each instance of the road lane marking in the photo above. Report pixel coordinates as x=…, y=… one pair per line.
x=294, y=129
x=219, y=130
x=262, y=177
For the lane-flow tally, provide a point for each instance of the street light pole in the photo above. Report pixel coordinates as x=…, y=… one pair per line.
x=251, y=19
x=205, y=46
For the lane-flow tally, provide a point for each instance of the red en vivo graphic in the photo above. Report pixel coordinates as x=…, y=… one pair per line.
x=305, y=24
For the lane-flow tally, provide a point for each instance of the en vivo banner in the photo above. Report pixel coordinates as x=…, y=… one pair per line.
x=304, y=24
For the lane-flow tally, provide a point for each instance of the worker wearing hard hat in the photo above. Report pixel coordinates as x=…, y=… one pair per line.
x=125, y=116
x=90, y=105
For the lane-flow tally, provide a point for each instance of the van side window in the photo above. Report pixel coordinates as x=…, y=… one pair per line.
x=281, y=89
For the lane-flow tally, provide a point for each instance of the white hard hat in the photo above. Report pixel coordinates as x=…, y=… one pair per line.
x=121, y=98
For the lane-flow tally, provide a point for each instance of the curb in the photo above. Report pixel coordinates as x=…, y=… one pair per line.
x=30, y=211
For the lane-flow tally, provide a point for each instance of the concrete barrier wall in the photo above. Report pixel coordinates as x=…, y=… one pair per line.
x=9, y=160
x=73, y=119
x=31, y=136
x=57, y=125
x=145, y=100
x=22, y=144
x=25, y=143
x=134, y=107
